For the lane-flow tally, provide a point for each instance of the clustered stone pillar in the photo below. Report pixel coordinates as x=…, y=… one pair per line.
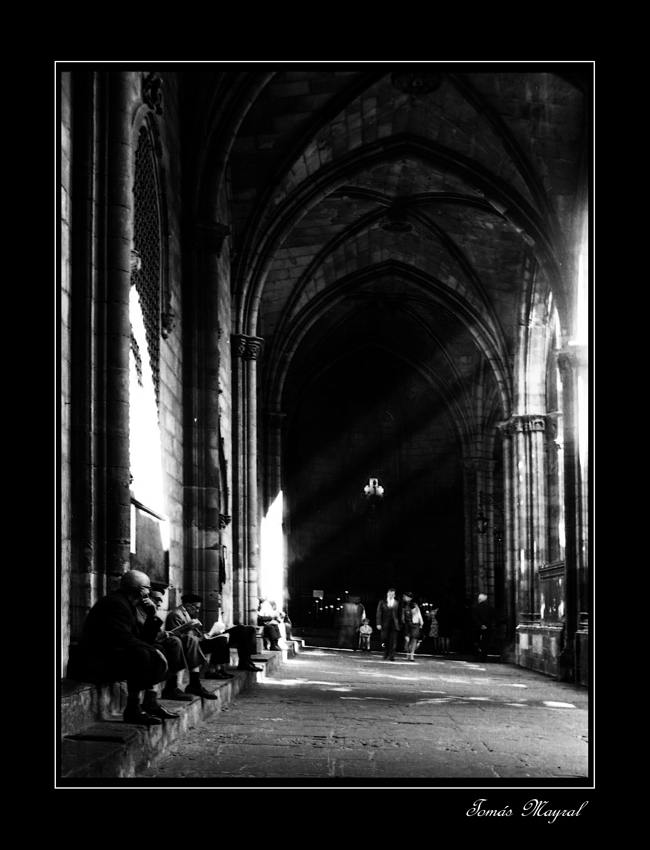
x=247, y=350
x=571, y=362
x=479, y=578
x=528, y=433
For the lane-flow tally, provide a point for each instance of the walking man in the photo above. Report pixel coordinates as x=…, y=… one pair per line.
x=389, y=622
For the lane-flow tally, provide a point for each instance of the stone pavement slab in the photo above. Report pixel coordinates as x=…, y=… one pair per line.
x=339, y=716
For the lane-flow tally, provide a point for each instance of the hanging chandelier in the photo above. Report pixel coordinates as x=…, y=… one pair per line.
x=373, y=492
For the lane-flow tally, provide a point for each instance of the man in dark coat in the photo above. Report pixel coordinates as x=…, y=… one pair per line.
x=197, y=646
x=113, y=647
x=483, y=623
x=389, y=622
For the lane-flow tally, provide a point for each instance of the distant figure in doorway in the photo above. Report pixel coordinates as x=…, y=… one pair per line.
x=365, y=633
x=413, y=622
x=267, y=618
x=349, y=622
x=389, y=623
x=483, y=620
x=445, y=618
x=433, y=630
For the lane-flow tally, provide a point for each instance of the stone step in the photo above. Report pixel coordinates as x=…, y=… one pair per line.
x=96, y=743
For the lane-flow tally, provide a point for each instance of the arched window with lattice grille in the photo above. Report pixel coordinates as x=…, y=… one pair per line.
x=149, y=525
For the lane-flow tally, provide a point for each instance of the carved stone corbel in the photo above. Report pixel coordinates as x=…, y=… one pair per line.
x=167, y=322
x=152, y=93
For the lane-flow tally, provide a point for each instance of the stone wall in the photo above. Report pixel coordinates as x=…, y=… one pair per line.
x=64, y=337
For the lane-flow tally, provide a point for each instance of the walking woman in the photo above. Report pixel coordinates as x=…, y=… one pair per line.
x=413, y=622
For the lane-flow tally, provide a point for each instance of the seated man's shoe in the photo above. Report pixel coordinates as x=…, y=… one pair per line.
x=250, y=666
x=141, y=718
x=177, y=694
x=200, y=691
x=159, y=711
x=218, y=674
x=275, y=648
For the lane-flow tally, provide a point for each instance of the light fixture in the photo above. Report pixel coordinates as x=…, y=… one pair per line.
x=417, y=83
x=373, y=492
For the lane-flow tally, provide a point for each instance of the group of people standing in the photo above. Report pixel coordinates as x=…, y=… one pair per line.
x=434, y=628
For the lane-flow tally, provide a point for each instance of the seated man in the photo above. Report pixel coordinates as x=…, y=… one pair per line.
x=112, y=648
x=267, y=617
x=196, y=645
x=170, y=644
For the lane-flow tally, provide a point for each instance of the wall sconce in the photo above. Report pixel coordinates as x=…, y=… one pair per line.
x=373, y=492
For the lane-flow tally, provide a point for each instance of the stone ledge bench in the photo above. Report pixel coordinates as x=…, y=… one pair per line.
x=95, y=743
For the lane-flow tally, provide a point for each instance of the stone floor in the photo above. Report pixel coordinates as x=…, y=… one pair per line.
x=336, y=717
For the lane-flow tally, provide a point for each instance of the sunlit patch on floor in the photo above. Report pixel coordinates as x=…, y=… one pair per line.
x=558, y=704
x=337, y=689
x=517, y=704
x=382, y=699
x=480, y=699
x=508, y=685
x=294, y=682
x=438, y=700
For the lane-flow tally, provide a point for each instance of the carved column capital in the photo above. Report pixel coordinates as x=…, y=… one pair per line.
x=238, y=344
x=253, y=349
x=572, y=359
x=224, y=520
x=209, y=235
x=524, y=423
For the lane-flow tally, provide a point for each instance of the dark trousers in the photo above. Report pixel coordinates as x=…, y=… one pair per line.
x=172, y=646
x=389, y=637
x=217, y=649
x=271, y=633
x=244, y=640
x=141, y=666
x=482, y=640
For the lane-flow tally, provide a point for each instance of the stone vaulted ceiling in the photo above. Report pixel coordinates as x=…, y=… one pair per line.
x=370, y=211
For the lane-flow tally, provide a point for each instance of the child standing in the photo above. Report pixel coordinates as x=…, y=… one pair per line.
x=365, y=630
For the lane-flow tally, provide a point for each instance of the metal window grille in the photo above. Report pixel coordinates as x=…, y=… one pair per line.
x=147, y=242
x=138, y=358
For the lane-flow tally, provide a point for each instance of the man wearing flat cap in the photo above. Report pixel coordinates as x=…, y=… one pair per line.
x=196, y=645
x=171, y=645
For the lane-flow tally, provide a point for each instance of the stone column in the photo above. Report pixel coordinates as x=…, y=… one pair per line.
x=529, y=505
x=247, y=350
x=510, y=536
x=251, y=355
x=479, y=577
x=570, y=362
x=202, y=488
x=119, y=236
x=528, y=432
x=239, y=482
